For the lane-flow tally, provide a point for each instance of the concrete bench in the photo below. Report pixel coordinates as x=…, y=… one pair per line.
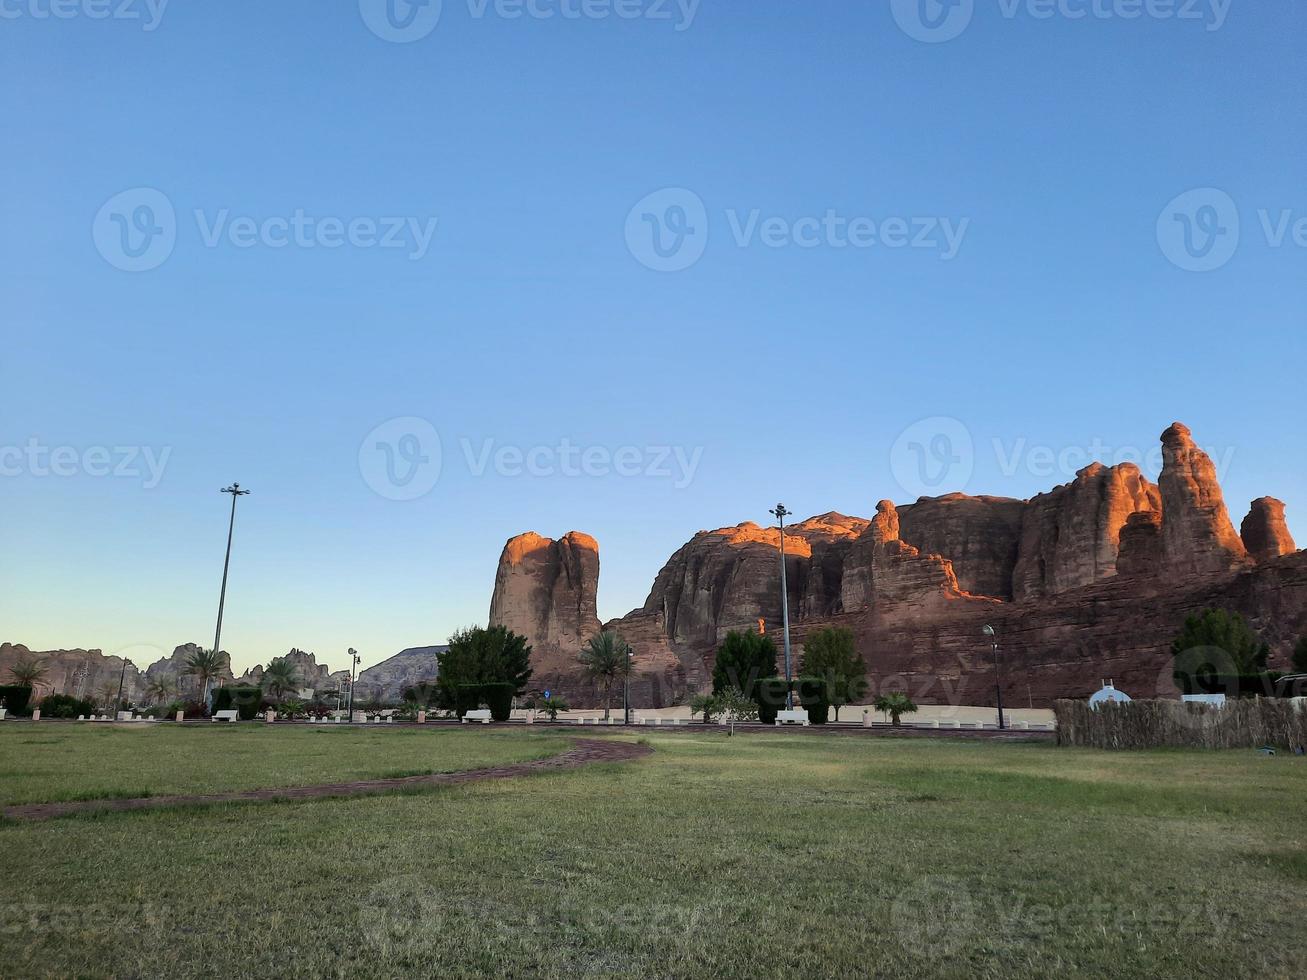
x=799, y=716
x=224, y=715
x=482, y=716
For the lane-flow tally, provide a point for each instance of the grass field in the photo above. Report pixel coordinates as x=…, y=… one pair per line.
x=752, y=856
x=48, y=763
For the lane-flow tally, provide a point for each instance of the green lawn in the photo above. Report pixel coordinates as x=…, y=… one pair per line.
x=53, y=762
x=752, y=856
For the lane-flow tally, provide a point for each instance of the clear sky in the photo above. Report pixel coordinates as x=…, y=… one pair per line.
x=867, y=215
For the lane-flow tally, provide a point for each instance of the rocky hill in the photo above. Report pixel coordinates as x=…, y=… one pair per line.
x=1089, y=580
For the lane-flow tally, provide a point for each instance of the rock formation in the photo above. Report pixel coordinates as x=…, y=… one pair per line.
x=546, y=590
x=1140, y=553
x=1090, y=579
x=1197, y=536
x=1070, y=536
x=1264, y=532
x=387, y=681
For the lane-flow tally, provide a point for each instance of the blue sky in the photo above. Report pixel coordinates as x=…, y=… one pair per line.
x=882, y=243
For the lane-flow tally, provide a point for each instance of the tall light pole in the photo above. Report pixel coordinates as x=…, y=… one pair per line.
x=781, y=513
x=998, y=675
x=235, y=491
x=626, y=690
x=354, y=659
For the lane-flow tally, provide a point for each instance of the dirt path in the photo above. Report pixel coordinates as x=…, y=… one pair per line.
x=584, y=751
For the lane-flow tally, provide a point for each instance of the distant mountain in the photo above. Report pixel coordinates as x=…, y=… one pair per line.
x=388, y=679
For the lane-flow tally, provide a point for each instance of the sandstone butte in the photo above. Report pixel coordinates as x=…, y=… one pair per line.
x=1090, y=580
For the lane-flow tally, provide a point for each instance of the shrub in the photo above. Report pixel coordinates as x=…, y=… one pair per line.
x=499, y=698
x=814, y=698
x=65, y=706
x=195, y=709
x=895, y=704
x=467, y=697
x=771, y=698
x=552, y=705
x=14, y=698
x=245, y=698
x=703, y=704
x=743, y=659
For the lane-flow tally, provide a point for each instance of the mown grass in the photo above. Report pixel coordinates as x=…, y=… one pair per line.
x=57, y=762
x=742, y=857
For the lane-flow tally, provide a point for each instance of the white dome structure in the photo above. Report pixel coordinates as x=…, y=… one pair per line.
x=1107, y=693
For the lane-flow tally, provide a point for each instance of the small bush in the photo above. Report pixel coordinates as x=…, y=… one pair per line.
x=14, y=698
x=245, y=698
x=467, y=697
x=194, y=709
x=65, y=706
x=771, y=698
x=813, y=698
x=499, y=698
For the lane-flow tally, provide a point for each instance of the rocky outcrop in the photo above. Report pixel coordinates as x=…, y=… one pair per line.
x=1264, y=532
x=1088, y=580
x=1070, y=536
x=978, y=535
x=310, y=674
x=387, y=681
x=546, y=590
x=1140, y=553
x=1197, y=536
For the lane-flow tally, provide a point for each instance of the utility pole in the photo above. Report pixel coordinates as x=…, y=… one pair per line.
x=998, y=675
x=626, y=689
x=235, y=491
x=781, y=513
x=354, y=659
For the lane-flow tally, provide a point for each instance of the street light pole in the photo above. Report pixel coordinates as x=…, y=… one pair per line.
x=626, y=690
x=235, y=491
x=998, y=675
x=121, y=677
x=781, y=513
x=353, y=662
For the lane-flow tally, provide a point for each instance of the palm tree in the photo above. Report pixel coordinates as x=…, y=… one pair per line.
x=279, y=678
x=605, y=659
x=204, y=666
x=108, y=692
x=895, y=704
x=28, y=672
x=161, y=690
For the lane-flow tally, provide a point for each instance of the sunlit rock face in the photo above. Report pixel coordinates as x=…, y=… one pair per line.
x=1197, y=536
x=1264, y=531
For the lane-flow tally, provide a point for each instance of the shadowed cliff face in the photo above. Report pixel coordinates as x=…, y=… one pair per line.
x=1091, y=578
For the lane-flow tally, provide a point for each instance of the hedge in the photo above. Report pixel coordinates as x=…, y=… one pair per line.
x=499, y=697
x=14, y=698
x=814, y=698
x=770, y=698
x=65, y=706
x=245, y=698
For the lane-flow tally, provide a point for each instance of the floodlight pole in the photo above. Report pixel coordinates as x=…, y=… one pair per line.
x=353, y=662
x=781, y=513
x=235, y=491
x=998, y=675
x=626, y=688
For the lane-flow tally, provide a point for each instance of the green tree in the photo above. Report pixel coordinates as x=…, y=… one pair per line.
x=481, y=655
x=1216, y=643
x=552, y=705
x=280, y=678
x=895, y=704
x=831, y=655
x=703, y=704
x=28, y=672
x=733, y=705
x=161, y=690
x=743, y=659
x=1300, y=656
x=605, y=660
x=204, y=666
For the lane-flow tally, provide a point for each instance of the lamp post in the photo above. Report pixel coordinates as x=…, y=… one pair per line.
x=781, y=513
x=998, y=675
x=121, y=677
x=354, y=659
x=626, y=689
x=235, y=491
